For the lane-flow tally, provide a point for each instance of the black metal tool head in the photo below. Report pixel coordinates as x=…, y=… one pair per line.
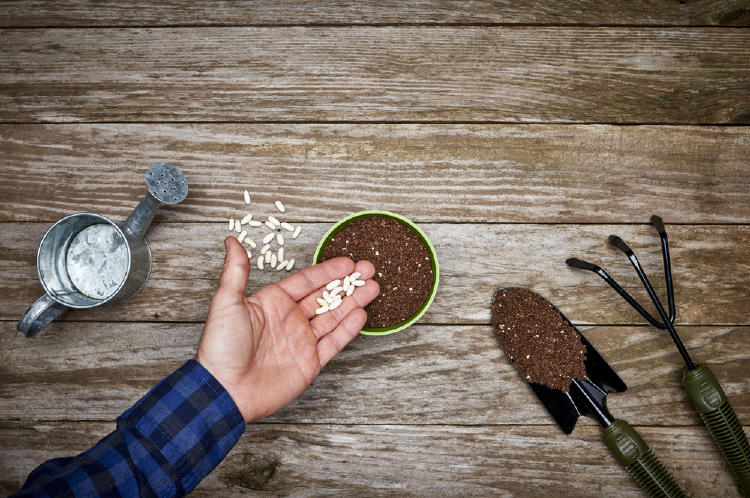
x=585, y=398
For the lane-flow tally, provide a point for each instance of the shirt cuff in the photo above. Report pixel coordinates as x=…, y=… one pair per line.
x=191, y=419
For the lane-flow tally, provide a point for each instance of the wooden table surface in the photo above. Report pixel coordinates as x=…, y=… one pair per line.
x=516, y=134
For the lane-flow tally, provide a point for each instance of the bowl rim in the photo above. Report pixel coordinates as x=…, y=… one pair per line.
x=343, y=222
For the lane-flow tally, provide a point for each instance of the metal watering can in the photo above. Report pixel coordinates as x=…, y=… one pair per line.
x=86, y=260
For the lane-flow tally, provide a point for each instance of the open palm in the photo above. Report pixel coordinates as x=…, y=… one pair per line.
x=267, y=348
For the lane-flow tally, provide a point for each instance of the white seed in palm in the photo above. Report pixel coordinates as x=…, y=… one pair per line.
x=334, y=304
x=346, y=283
x=322, y=302
x=251, y=243
x=269, y=237
x=231, y=224
x=290, y=264
x=350, y=290
x=297, y=231
x=354, y=276
x=267, y=256
x=286, y=226
x=254, y=223
x=242, y=236
x=333, y=285
x=321, y=310
x=358, y=283
x=276, y=223
x=260, y=262
x=327, y=296
x=246, y=219
x=337, y=291
x=269, y=225
x=265, y=248
x=280, y=206
x=247, y=197
x=280, y=254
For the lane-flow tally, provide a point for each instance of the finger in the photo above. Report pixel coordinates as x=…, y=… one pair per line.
x=310, y=302
x=328, y=321
x=333, y=343
x=236, y=269
x=311, y=278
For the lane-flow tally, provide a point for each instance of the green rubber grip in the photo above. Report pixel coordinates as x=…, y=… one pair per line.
x=640, y=461
x=713, y=406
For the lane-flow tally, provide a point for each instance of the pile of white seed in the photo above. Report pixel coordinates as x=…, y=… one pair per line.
x=273, y=258
x=335, y=290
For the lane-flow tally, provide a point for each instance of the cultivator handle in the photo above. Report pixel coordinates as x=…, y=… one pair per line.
x=640, y=461
x=713, y=407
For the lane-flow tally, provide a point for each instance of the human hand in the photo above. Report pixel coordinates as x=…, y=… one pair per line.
x=267, y=348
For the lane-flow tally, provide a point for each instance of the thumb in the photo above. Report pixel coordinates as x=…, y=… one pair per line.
x=236, y=269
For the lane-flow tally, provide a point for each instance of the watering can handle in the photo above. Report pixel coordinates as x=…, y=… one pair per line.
x=39, y=314
x=640, y=461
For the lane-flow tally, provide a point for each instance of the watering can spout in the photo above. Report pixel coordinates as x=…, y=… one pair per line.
x=166, y=185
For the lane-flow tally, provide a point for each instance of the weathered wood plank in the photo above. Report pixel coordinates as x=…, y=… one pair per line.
x=426, y=375
x=442, y=460
x=285, y=12
x=710, y=265
x=529, y=74
x=449, y=173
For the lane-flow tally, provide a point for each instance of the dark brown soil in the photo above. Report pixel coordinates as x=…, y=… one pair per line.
x=543, y=346
x=402, y=266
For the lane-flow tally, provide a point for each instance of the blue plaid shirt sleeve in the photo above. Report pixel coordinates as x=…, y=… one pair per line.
x=163, y=446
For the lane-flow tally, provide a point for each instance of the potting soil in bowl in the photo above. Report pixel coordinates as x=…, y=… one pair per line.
x=402, y=263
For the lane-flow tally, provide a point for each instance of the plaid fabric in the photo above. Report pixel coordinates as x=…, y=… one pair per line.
x=163, y=446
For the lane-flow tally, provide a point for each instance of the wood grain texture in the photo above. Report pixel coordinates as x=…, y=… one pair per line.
x=710, y=265
x=447, y=173
x=429, y=374
x=524, y=74
x=398, y=460
x=284, y=12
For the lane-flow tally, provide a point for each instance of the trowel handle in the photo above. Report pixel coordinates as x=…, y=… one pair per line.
x=712, y=405
x=39, y=314
x=640, y=461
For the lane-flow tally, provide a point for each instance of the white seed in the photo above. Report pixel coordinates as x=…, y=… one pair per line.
x=280, y=239
x=249, y=254
x=280, y=254
x=268, y=238
x=265, y=248
x=322, y=310
x=242, y=236
x=336, y=291
x=273, y=260
x=280, y=206
x=281, y=265
x=322, y=302
x=231, y=224
x=327, y=297
x=346, y=283
x=246, y=219
x=290, y=264
x=251, y=243
x=335, y=304
x=333, y=285
x=254, y=223
x=355, y=275
x=297, y=231
x=247, y=197
x=269, y=225
x=273, y=220
x=350, y=290
x=358, y=283
x=286, y=226
x=260, y=262
x=267, y=256
x=237, y=226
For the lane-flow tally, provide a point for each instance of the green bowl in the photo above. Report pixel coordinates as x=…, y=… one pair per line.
x=414, y=228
